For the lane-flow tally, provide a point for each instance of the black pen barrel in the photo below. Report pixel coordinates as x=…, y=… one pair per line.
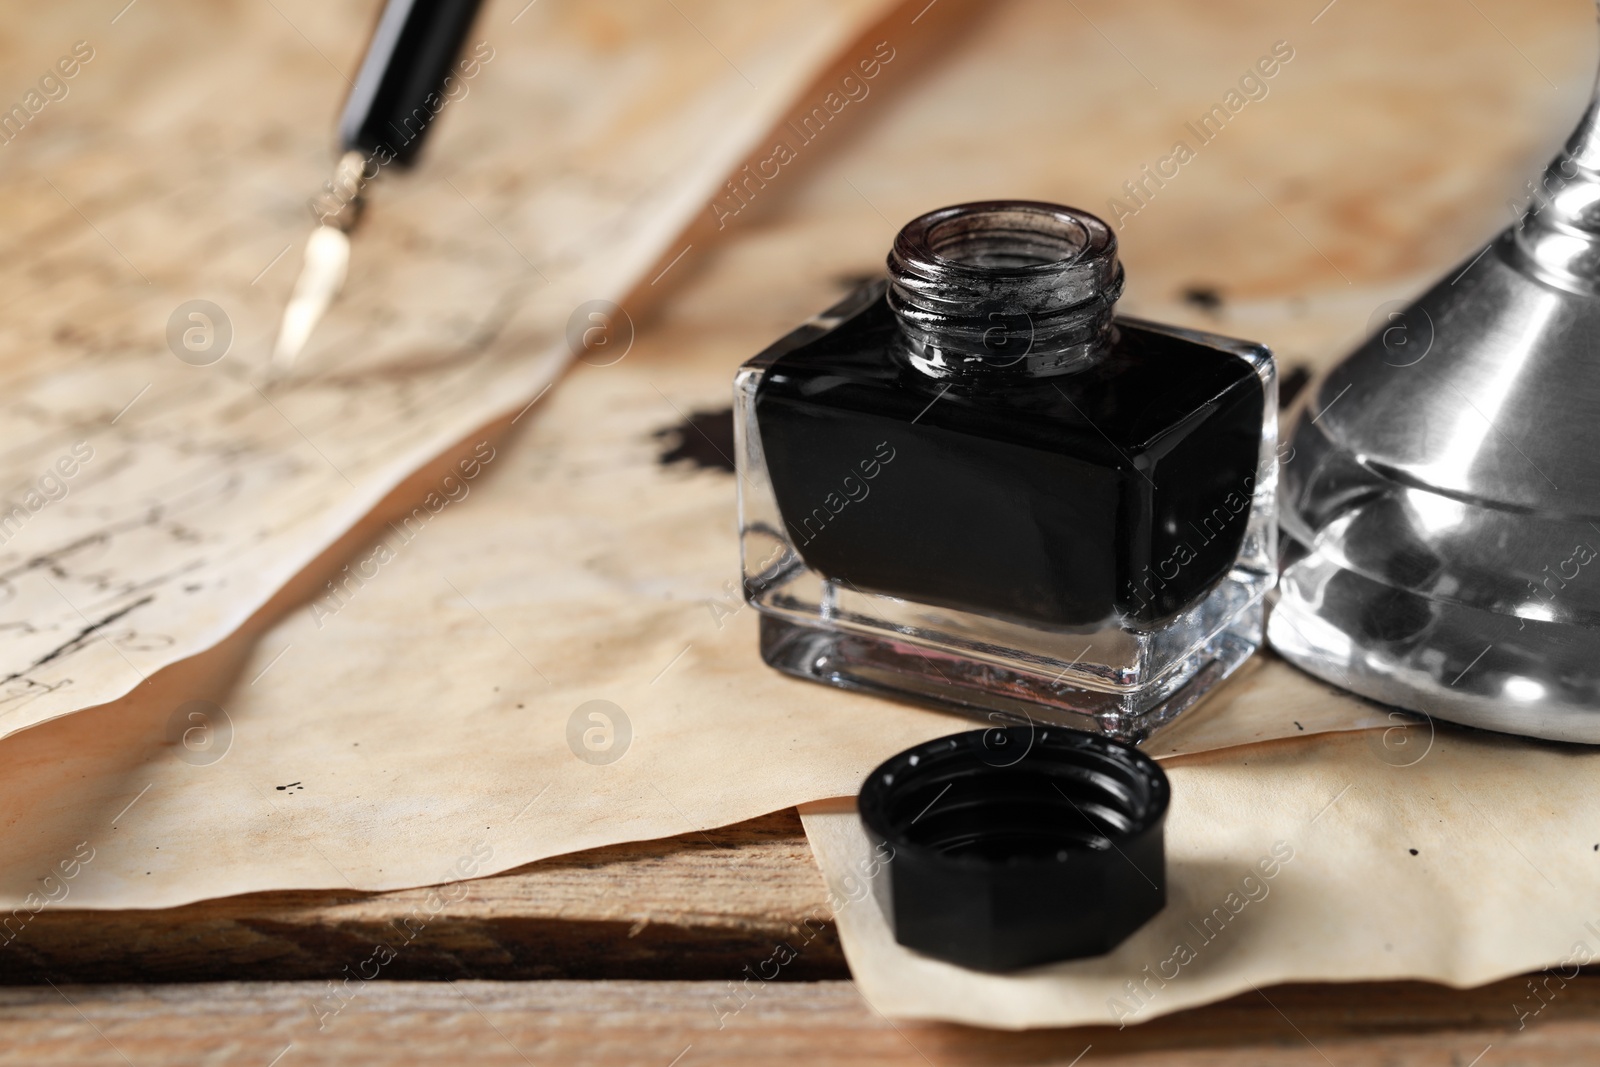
x=401, y=87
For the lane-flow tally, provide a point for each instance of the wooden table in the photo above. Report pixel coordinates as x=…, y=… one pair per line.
x=637, y=954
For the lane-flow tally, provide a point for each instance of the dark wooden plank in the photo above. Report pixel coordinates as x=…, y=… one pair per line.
x=700, y=906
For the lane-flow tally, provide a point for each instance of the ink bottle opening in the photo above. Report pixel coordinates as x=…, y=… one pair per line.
x=972, y=484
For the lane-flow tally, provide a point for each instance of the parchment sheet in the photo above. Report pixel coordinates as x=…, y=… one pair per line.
x=149, y=505
x=435, y=716
x=420, y=731
x=1448, y=855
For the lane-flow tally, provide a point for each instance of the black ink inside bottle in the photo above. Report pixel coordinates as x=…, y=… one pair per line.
x=1061, y=492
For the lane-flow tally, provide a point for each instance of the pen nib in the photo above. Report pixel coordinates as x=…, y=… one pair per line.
x=327, y=257
x=337, y=208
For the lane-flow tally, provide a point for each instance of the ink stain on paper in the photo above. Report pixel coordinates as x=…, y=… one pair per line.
x=1207, y=298
x=704, y=440
x=1291, y=385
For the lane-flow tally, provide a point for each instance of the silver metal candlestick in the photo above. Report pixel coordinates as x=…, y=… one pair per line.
x=1441, y=508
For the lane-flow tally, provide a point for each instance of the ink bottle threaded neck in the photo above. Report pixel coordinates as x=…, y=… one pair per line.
x=1003, y=289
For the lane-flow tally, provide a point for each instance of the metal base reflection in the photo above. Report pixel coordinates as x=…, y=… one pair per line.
x=1441, y=508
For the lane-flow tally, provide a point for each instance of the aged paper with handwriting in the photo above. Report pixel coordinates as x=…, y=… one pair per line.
x=156, y=488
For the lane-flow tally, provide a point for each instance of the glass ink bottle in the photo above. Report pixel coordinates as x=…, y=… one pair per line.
x=973, y=485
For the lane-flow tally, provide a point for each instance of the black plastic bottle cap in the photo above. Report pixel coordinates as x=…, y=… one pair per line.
x=1018, y=845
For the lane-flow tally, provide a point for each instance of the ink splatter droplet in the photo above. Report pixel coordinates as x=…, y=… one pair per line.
x=1205, y=297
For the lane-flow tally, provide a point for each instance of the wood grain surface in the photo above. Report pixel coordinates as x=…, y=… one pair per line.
x=676, y=1024
x=700, y=906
